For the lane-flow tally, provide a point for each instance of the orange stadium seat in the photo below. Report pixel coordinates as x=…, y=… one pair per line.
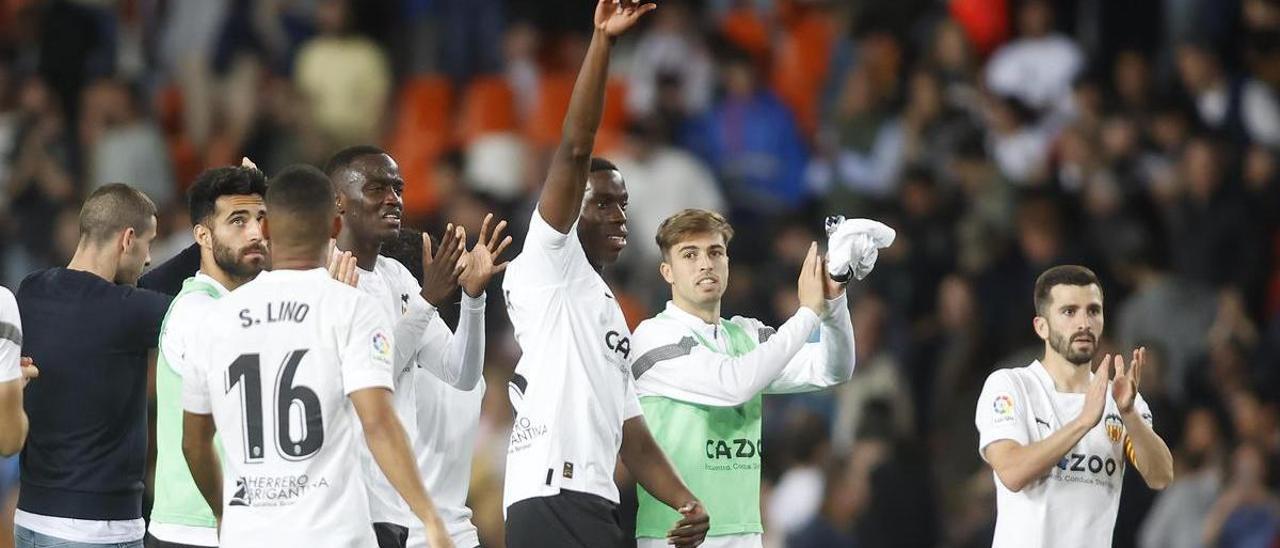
x=423, y=130
x=543, y=126
x=425, y=114
x=488, y=106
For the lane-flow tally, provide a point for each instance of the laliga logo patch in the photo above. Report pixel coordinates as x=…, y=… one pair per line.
x=381, y=346
x=1114, y=426
x=1003, y=406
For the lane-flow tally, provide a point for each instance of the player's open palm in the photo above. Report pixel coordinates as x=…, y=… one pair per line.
x=1125, y=388
x=812, y=285
x=1095, y=400
x=441, y=269
x=482, y=260
x=614, y=17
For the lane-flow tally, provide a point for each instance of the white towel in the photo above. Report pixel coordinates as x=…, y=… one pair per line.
x=853, y=246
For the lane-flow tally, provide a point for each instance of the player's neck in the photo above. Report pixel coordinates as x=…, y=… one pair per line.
x=365, y=249
x=95, y=260
x=1067, y=376
x=709, y=313
x=283, y=258
x=211, y=269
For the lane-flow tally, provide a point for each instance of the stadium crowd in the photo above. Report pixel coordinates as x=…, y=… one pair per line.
x=998, y=137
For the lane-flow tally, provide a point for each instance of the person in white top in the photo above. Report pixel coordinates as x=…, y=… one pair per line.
x=15, y=372
x=1057, y=435
x=370, y=189
x=287, y=365
x=1039, y=65
x=575, y=401
x=701, y=377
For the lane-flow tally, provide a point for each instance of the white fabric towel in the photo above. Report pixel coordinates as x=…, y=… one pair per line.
x=853, y=246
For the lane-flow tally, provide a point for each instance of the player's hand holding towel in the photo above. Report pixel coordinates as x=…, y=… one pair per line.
x=853, y=246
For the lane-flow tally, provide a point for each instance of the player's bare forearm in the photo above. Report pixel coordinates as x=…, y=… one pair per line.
x=1019, y=465
x=650, y=466
x=197, y=448
x=389, y=445
x=1148, y=453
x=13, y=419
x=561, y=198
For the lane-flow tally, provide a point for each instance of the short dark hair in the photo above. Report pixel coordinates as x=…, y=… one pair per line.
x=343, y=158
x=301, y=204
x=113, y=208
x=1061, y=275
x=601, y=164
x=222, y=181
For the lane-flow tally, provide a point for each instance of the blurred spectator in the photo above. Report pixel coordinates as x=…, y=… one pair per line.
x=1211, y=232
x=798, y=495
x=123, y=144
x=1246, y=514
x=1176, y=519
x=671, y=48
x=39, y=179
x=877, y=379
x=1242, y=109
x=344, y=78
x=846, y=496
x=750, y=140
x=661, y=180
x=1037, y=68
x=470, y=37
x=1166, y=309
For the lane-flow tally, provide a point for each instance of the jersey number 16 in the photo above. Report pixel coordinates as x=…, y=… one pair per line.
x=247, y=367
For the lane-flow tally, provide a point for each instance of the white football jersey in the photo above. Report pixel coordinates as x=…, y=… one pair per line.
x=1075, y=504
x=573, y=387
x=276, y=363
x=10, y=337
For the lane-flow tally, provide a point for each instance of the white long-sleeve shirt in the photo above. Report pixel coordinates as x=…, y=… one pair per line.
x=422, y=341
x=672, y=363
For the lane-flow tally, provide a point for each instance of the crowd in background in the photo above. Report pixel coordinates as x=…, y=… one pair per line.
x=999, y=137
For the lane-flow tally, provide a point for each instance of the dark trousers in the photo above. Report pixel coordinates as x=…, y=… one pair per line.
x=570, y=519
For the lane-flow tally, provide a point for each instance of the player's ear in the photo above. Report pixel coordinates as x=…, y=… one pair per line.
x=202, y=235
x=126, y=239
x=1041, y=326
x=664, y=268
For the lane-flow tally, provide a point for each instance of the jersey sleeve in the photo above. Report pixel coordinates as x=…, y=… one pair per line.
x=368, y=349
x=1144, y=410
x=824, y=363
x=1001, y=413
x=631, y=407
x=670, y=362
x=548, y=253
x=176, y=336
x=10, y=337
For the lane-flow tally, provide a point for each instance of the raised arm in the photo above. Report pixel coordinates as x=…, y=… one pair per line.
x=675, y=365
x=825, y=363
x=1148, y=453
x=561, y=198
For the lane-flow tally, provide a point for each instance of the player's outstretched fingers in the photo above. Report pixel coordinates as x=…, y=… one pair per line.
x=484, y=230
x=497, y=237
